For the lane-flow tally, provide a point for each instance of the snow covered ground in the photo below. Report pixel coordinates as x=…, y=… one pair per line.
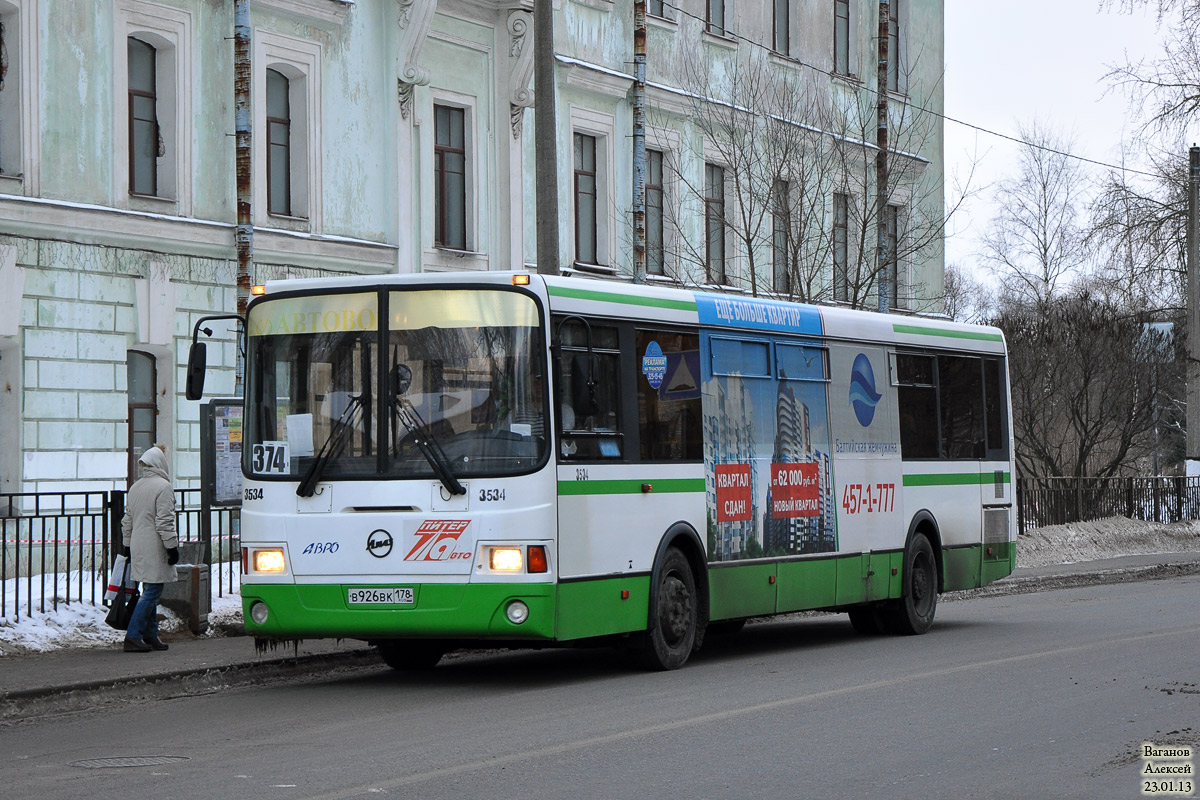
x=80, y=624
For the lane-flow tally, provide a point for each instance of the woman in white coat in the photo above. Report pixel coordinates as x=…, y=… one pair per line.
x=152, y=545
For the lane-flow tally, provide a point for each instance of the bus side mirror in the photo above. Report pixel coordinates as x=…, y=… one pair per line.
x=197, y=361
x=583, y=387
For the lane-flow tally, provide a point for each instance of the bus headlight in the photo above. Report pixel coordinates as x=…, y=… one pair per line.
x=505, y=559
x=517, y=612
x=269, y=560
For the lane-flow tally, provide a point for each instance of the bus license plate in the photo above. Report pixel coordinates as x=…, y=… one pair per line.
x=382, y=596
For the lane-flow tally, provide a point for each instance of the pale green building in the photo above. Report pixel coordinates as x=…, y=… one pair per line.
x=398, y=136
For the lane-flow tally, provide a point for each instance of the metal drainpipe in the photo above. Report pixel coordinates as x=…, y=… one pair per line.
x=244, y=233
x=881, y=166
x=639, y=141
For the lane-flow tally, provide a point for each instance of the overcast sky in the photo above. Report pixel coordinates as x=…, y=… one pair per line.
x=1025, y=60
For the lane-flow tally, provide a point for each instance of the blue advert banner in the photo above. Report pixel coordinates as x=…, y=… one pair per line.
x=758, y=314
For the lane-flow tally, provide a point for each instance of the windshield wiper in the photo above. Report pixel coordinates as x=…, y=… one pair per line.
x=333, y=444
x=421, y=435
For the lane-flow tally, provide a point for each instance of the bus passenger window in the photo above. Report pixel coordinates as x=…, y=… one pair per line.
x=589, y=394
x=960, y=392
x=668, y=387
x=917, y=399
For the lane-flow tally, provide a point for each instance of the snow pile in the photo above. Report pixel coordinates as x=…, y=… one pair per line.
x=1105, y=538
x=76, y=623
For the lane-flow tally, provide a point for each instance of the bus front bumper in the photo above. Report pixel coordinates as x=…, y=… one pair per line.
x=451, y=611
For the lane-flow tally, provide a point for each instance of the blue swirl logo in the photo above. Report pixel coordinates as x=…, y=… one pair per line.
x=863, y=397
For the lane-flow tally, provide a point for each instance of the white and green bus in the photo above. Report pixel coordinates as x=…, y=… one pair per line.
x=438, y=460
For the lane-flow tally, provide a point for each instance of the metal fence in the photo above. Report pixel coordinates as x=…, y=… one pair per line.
x=1058, y=501
x=56, y=547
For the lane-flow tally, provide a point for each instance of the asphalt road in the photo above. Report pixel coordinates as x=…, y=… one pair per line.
x=1046, y=695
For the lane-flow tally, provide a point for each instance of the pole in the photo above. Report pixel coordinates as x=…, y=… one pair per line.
x=1192, y=416
x=244, y=233
x=639, y=141
x=881, y=165
x=545, y=139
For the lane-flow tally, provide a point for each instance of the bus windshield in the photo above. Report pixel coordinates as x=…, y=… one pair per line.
x=437, y=383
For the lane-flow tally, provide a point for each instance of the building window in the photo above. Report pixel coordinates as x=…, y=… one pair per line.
x=143, y=409
x=779, y=236
x=10, y=91
x=841, y=240
x=655, y=255
x=714, y=223
x=656, y=8
x=585, y=199
x=144, y=141
x=151, y=133
x=279, y=144
x=891, y=218
x=287, y=109
x=893, y=63
x=714, y=16
x=783, y=23
x=841, y=37
x=450, y=177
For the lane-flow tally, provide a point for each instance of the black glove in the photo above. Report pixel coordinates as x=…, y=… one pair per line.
x=125, y=552
x=172, y=555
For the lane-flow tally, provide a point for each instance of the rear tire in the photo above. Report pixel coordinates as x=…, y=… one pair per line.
x=674, y=619
x=913, y=613
x=411, y=655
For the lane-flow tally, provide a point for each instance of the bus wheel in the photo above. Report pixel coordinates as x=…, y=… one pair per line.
x=868, y=620
x=913, y=612
x=672, y=636
x=411, y=654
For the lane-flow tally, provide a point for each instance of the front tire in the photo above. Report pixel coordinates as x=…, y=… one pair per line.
x=913, y=613
x=674, y=619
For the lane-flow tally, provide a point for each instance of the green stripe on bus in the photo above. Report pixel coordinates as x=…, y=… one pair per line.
x=612, y=297
x=950, y=334
x=660, y=486
x=956, y=479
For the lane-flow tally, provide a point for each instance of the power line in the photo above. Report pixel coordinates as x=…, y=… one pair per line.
x=1066, y=154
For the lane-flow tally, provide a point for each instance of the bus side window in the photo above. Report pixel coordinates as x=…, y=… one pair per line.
x=994, y=416
x=917, y=399
x=669, y=418
x=960, y=392
x=589, y=433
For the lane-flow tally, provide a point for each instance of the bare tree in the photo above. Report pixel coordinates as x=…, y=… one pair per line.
x=1139, y=226
x=1036, y=244
x=1084, y=387
x=966, y=298
x=793, y=154
x=1166, y=90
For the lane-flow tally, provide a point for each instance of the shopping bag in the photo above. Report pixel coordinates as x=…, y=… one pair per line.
x=117, y=571
x=123, y=604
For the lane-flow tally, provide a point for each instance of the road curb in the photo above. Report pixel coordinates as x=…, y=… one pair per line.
x=39, y=701
x=1045, y=583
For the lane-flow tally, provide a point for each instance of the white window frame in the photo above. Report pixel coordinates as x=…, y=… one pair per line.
x=468, y=104
x=602, y=127
x=668, y=142
x=731, y=266
x=299, y=60
x=169, y=31
x=19, y=100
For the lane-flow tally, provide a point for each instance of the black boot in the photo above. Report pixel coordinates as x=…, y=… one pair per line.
x=156, y=643
x=136, y=646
